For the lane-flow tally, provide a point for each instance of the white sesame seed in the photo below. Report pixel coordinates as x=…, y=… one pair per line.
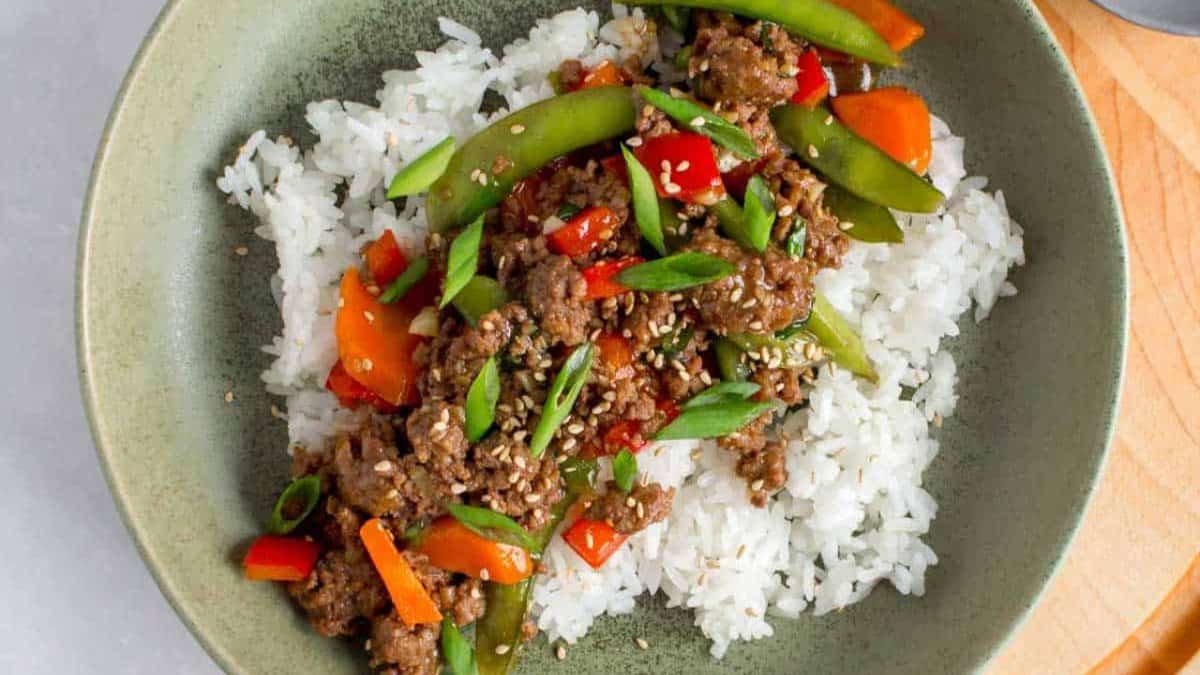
x=369, y=316
x=757, y=485
x=829, y=120
x=501, y=649
x=383, y=466
x=341, y=302
x=756, y=325
x=641, y=643
x=630, y=501
x=575, y=428
x=520, y=462
x=474, y=175
x=560, y=652
x=735, y=294
x=641, y=511
x=517, y=129
x=514, y=477
x=697, y=121
x=672, y=188
x=483, y=179
x=786, y=210
x=241, y=250
x=589, y=539
x=846, y=225
x=228, y=397
x=458, y=488
x=812, y=151
x=741, y=550
x=634, y=142
x=367, y=365
x=705, y=377
x=487, y=325
x=533, y=498
x=683, y=166
x=484, y=574
x=569, y=443
x=665, y=165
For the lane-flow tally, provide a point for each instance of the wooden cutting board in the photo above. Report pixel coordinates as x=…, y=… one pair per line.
x=1130, y=587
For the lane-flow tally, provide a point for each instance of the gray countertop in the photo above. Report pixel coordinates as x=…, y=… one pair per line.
x=77, y=597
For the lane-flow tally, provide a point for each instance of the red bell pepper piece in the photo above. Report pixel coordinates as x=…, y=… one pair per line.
x=812, y=85
x=684, y=167
x=667, y=408
x=605, y=74
x=739, y=176
x=601, y=277
x=351, y=394
x=587, y=230
x=274, y=558
x=385, y=260
x=616, y=356
x=626, y=434
x=594, y=540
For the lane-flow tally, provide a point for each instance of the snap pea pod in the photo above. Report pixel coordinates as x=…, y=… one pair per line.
x=734, y=223
x=483, y=171
x=480, y=296
x=508, y=605
x=839, y=339
x=729, y=361
x=820, y=21
x=848, y=160
x=872, y=223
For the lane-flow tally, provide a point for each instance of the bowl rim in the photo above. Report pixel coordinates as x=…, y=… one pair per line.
x=228, y=662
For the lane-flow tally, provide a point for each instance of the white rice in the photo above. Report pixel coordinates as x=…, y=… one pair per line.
x=853, y=512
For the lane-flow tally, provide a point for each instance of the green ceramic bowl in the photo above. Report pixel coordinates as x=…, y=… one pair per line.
x=170, y=319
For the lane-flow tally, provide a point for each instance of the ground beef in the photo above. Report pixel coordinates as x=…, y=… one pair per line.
x=785, y=384
x=755, y=120
x=342, y=592
x=765, y=471
x=652, y=122
x=397, y=649
x=648, y=316
x=798, y=197
x=755, y=64
x=555, y=293
x=458, y=352
x=633, y=512
x=363, y=469
x=767, y=293
x=511, y=481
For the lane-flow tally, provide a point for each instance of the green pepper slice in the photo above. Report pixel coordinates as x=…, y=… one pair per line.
x=483, y=171
x=820, y=21
x=848, y=160
x=872, y=223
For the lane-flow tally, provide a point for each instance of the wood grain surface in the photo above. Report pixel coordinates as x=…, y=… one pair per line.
x=1130, y=587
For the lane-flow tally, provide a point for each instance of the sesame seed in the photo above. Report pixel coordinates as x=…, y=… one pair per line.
x=341, y=302
x=609, y=396
x=634, y=142
x=383, y=466
x=705, y=377
x=937, y=420
x=641, y=511
x=487, y=325
x=520, y=435
x=757, y=485
x=675, y=297
x=672, y=188
x=520, y=462
x=751, y=612
x=653, y=327
x=683, y=166
x=697, y=121
x=533, y=498
x=642, y=644
x=756, y=325
x=589, y=539
x=517, y=129
x=483, y=179
x=228, y=397
x=539, y=376
x=438, y=426
x=685, y=376
x=369, y=316
x=846, y=225
x=367, y=365
x=786, y=210
x=812, y=151
x=749, y=303
x=829, y=120
x=575, y=428
x=458, y=488
x=241, y=250
x=666, y=166
x=474, y=175
x=735, y=294
x=569, y=443
x=501, y=649
x=741, y=550
x=514, y=477
x=704, y=65
x=560, y=652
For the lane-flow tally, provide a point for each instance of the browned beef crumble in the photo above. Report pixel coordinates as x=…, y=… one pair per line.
x=632, y=512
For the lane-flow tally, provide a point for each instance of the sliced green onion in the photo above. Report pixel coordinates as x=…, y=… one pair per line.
x=797, y=238
x=567, y=211
x=676, y=342
x=480, y=296
x=492, y=525
x=722, y=392
x=481, y=400
x=675, y=272
x=463, y=260
x=645, y=202
x=730, y=363
x=579, y=474
x=305, y=492
x=419, y=174
x=683, y=57
x=713, y=421
x=861, y=219
x=625, y=470
x=457, y=652
x=408, y=278
x=561, y=397
x=759, y=211
x=688, y=113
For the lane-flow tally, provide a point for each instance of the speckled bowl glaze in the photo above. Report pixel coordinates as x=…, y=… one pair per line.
x=170, y=319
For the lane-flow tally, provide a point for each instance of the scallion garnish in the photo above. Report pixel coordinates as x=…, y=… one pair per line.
x=759, y=211
x=675, y=272
x=624, y=470
x=481, y=400
x=296, y=501
x=645, y=202
x=567, y=211
x=460, y=658
x=463, y=260
x=561, y=397
x=687, y=113
x=797, y=239
x=490, y=524
x=722, y=392
x=419, y=174
x=713, y=421
x=407, y=279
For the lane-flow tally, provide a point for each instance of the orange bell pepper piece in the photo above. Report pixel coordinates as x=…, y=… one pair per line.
x=894, y=119
x=374, y=344
x=451, y=546
x=385, y=260
x=413, y=603
x=616, y=355
x=274, y=558
x=898, y=29
x=605, y=74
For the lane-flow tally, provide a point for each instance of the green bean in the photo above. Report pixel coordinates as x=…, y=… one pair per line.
x=483, y=171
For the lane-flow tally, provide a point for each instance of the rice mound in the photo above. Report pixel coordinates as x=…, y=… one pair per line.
x=853, y=512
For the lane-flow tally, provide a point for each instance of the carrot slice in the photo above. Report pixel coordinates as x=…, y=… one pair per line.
x=374, y=343
x=898, y=29
x=412, y=601
x=894, y=119
x=450, y=545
